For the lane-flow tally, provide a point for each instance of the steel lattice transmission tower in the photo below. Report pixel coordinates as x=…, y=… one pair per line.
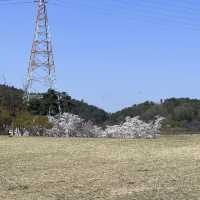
x=41, y=70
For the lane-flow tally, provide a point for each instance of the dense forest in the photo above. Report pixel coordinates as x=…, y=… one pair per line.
x=182, y=113
x=15, y=113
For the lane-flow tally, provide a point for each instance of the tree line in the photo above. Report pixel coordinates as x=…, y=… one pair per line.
x=183, y=113
x=179, y=113
x=14, y=114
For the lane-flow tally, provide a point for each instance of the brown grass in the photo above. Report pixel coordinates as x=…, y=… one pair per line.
x=103, y=169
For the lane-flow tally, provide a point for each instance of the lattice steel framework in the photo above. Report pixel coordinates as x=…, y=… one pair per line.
x=41, y=70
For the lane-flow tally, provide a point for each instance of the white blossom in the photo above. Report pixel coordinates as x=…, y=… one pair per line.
x=69, y=125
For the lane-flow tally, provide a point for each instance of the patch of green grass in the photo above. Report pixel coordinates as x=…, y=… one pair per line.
x=106, y=169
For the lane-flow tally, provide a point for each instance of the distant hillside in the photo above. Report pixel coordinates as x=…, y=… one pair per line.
x=181, y=113
x=11, y=100
x=89, y=112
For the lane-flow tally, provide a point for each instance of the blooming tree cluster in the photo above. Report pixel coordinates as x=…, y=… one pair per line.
x=69, y=125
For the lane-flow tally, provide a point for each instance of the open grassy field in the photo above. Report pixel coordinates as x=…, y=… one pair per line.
x=87, y=169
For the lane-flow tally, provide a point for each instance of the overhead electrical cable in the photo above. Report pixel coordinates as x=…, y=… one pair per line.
x=160, y=16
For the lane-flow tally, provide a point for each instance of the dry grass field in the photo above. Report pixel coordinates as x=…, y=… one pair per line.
x=105, y=169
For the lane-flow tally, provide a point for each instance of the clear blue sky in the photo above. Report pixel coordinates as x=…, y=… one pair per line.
x=111, y=53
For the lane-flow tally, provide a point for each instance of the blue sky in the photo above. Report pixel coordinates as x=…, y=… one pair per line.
x=111, y=53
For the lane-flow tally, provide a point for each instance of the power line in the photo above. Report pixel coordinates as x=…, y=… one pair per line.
x=159, y=17
x=137, y=8
x=4, y=3
x=143, y=11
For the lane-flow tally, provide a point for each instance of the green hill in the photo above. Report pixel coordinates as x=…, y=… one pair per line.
x=180, y=113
